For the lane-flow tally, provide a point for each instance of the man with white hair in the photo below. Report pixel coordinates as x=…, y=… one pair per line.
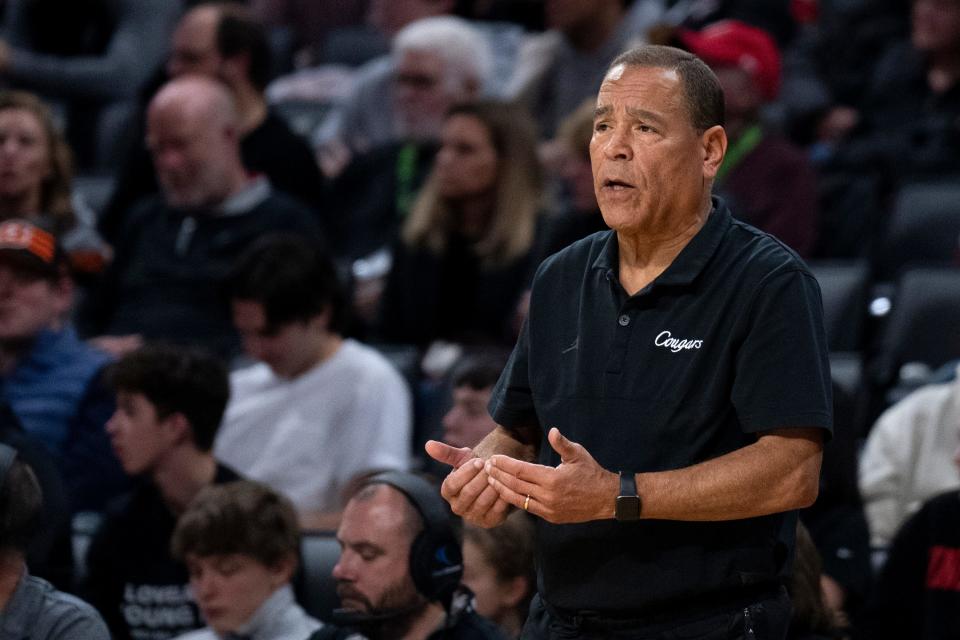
x=435, y=62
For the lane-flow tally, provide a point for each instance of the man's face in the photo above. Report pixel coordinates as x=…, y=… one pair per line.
x=194, y=45
x=192, y=155
x=289, y=350
x=741, y=95
x=139, y=437
x=650, y=167
x=422, y=95
x=29, y=303
x=229, y=588
x=936, y=25
x=468, y=420
x=373, y=571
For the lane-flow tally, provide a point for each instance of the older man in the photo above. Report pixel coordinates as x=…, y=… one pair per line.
x=222, y=40
x=670, y=507
x=175, y=248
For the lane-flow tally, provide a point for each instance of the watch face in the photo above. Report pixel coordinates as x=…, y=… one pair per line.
x=628, y=508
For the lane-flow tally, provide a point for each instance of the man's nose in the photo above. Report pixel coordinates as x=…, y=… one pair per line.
x=617, y=145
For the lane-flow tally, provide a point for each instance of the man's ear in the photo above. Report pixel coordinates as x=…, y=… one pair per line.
x=515, y=590
x=714, y=144
x=282, y=572
x=178, y=428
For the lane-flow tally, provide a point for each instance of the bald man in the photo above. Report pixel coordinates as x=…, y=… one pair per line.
x=176, y=246
x=221, y=40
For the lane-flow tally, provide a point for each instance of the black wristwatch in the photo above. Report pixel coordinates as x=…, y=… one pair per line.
x=628, y=502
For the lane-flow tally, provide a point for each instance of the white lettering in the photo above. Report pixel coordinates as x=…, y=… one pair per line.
x=666, y=340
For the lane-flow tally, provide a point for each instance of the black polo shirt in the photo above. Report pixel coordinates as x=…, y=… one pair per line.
x=725, y=343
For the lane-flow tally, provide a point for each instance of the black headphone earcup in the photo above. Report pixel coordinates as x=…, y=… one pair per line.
x=436, y=565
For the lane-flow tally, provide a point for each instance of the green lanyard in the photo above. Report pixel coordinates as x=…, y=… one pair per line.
x=740, y=150
x=406, y=173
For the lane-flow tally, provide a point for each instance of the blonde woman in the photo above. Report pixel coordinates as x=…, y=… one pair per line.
x=464, y=255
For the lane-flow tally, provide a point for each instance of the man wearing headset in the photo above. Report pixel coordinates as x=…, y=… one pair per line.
x=400, y=566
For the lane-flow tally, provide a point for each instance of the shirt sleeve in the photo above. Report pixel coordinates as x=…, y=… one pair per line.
x=782, y=376
x=511, y=403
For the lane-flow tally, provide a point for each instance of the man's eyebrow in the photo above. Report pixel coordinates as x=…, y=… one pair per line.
x=600, y=111
x=643, y=114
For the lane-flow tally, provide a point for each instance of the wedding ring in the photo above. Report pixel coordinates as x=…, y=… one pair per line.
x=526, y=503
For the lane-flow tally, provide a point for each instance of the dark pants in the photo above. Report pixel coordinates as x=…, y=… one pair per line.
x=765, y=619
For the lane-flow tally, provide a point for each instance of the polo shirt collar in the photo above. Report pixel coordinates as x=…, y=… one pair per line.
x=692, y=258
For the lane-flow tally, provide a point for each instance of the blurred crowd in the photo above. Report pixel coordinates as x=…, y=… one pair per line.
x=253, y=253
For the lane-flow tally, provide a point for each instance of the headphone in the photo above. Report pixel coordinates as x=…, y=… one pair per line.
x=436, y=558
x=7, y=456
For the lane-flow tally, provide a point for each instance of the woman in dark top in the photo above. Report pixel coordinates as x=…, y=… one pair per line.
x=464, y=252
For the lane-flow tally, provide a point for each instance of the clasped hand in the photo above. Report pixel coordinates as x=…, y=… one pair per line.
x=482, y=491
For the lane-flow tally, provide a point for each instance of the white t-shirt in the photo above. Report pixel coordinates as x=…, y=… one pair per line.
x=310, y=436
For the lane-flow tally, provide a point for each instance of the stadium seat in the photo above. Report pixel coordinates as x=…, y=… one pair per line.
x=844, y=288
x=314, y=584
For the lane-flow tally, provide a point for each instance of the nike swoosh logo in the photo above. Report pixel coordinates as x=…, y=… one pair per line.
x=573, y=346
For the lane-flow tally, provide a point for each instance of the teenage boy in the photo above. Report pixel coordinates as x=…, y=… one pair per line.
x=240, y=542
x=318, y=412
x=169, y=405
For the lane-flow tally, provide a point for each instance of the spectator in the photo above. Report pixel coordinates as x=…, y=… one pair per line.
x=436, y=61
x=812, y=618
x=222, y=40
x=400, y=566
x=918, y=590
x=49, y=553
x=240, y=542
x=49, y=377
x=175, y=249
x=388, y=133
x=558, y=70
x=89, y=57
x=498, y=569
x=767, y=180
x=170, y=402
x=468, y=421
x=30, y=608
x=465, y=251
x=36, y=170
x=318, y=412
x=906, y=459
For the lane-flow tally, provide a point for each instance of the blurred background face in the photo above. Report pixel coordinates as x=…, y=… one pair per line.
x=481, y=578
x=28, y=303
x=936, y=25
x=24, y=153
x=466, y=165
x=191, y=155
x=422, y=95
x=288, y=350
x=138, y=436
x=577, y=175
x=741, y=96
x=230, y=588
x=194, y=45
x=468, y=420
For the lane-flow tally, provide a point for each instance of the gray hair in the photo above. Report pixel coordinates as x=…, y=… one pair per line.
x=464, y=49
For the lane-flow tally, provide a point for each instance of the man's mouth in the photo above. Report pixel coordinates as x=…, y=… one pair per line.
x=616, y=185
